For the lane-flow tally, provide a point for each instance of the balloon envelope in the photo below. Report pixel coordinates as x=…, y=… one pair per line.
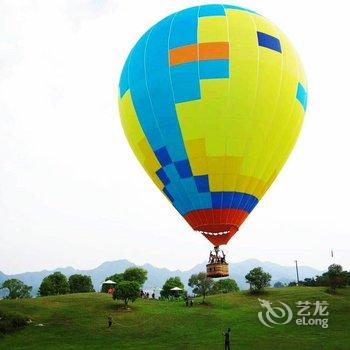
x=212, y=100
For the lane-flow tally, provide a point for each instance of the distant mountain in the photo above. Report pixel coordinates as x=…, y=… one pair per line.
x=157, y=276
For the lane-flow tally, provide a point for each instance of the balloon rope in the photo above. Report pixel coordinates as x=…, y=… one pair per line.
x=222, y=310
x=134, y=325
x=222, y=306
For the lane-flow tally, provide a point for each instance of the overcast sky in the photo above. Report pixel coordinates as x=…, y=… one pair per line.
x=72, y=192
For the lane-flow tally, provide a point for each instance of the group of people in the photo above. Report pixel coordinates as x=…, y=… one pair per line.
x=146, y=295
x=215, y=257
x=188, y=301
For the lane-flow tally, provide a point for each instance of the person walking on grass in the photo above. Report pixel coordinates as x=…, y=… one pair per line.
x=110, y=321
x=227, y=339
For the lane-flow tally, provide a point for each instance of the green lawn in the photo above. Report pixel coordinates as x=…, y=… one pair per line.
x=80, y=322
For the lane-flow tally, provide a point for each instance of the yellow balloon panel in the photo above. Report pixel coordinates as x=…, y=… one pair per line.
x=212, y=99
x=248, y=116
x=138, y=142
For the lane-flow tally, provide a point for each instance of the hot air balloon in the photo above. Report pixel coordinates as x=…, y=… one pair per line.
x=212, y=100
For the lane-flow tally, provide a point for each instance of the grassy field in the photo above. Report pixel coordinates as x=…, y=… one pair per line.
x=80, y=322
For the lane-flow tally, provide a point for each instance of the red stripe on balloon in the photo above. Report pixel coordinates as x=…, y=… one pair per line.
x=213, y=225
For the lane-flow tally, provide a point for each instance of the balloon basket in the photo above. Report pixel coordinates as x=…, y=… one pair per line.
x=217, y=270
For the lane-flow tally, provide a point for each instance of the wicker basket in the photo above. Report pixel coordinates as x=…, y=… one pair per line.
x=216, y=270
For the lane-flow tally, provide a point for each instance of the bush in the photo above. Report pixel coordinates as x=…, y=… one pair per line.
x=279, y=284
x=226, y=285
x=11, y=322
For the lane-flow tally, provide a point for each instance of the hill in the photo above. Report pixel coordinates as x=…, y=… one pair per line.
x=80, y=322
x=157, y=276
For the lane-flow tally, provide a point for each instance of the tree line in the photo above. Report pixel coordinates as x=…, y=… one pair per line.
x=54, y=284
x=334, y=278
x=128, y=284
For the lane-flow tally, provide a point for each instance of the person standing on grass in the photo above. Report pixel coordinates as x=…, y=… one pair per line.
x=110, y=321
x=227, y=339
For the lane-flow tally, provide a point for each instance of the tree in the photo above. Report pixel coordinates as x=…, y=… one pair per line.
x=336, y=277
x=80, y=284
x=17, y=289
x=170, y=283
x=322, y=280
x=54, y=284
x=117, y=277
x=258, y=279
x=347, y=277
x=136, y=274
x=127, y=291
x=201, y=284
x=279, y=284
x=226, y=285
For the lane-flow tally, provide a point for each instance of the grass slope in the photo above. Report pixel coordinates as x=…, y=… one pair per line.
x=80, y=322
